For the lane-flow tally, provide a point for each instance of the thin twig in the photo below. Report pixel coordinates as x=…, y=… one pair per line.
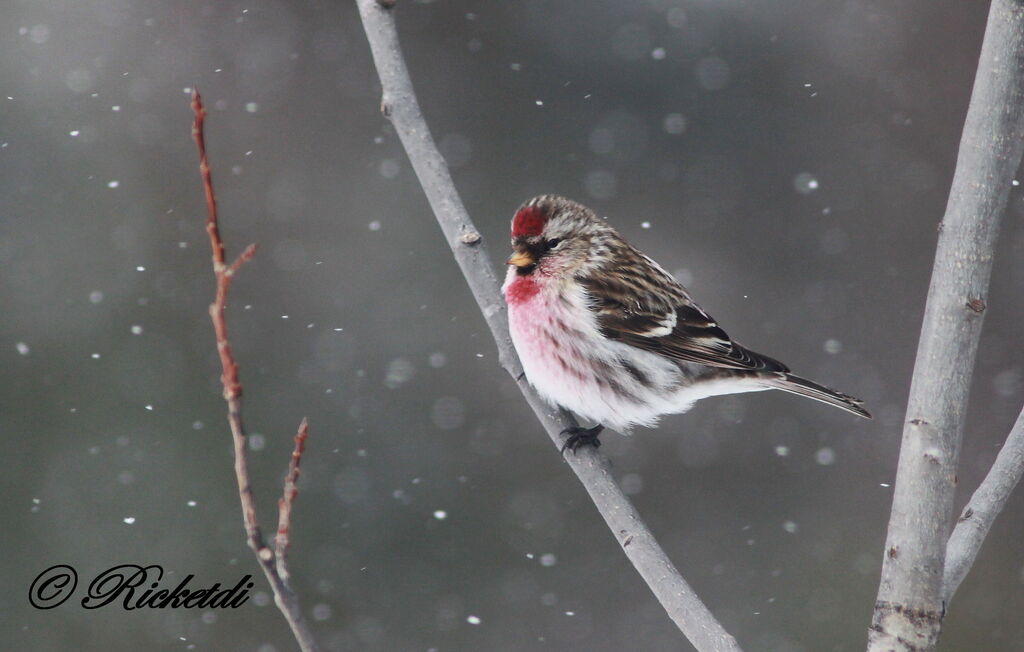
x=986, y=503
x=285, y=502
x=284, y=597
x=399, y=104
x=910, y=607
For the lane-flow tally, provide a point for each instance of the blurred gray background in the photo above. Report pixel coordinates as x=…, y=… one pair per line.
x=789, y=161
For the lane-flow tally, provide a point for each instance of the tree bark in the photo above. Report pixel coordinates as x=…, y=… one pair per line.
x=910, y=607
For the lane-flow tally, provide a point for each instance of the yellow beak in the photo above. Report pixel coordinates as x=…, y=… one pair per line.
x=521, y=259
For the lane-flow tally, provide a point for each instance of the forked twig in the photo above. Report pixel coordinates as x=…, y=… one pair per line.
x=284, y=503
x=277, y=574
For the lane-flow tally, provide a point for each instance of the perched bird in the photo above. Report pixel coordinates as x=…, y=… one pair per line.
x=602, y=330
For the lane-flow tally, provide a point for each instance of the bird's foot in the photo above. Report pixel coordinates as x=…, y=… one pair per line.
x=580, y=436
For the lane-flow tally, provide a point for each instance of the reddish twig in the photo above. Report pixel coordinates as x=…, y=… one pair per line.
x=276, y=573
x=284, y=503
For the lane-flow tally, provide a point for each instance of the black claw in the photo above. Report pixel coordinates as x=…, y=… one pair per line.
x=580, y=436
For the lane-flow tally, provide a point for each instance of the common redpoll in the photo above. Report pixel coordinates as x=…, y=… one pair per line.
x=602, y=330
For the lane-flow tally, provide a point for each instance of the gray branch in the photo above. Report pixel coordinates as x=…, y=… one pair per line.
x=399, y=104
x=909, y=611
x=986, y=503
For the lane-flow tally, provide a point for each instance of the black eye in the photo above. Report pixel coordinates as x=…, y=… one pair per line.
x=552, y=243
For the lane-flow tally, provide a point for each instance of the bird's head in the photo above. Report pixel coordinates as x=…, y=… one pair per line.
x=556, y=236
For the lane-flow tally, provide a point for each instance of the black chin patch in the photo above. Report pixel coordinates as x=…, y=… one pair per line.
x=526, y=269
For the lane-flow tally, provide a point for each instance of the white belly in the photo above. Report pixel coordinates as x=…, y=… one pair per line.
x=572, y=365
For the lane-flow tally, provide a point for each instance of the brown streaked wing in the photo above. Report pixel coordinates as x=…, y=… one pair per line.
x=639, y=304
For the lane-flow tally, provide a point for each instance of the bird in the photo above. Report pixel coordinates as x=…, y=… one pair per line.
x=606, y=333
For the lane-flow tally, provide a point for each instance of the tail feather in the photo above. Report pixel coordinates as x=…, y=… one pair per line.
x=803, y=387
